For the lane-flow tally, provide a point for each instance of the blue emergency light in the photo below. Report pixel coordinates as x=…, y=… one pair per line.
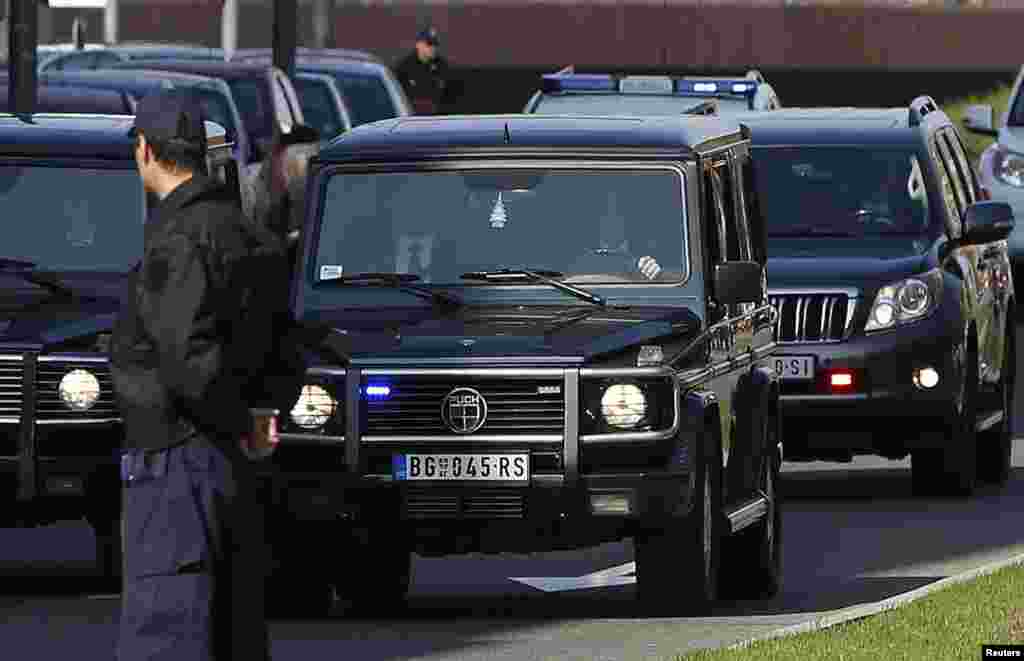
x=716, y=87
x=578, y=82
x=377, y=391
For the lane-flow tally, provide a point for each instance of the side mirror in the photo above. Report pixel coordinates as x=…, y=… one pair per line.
x=980, y=119
x=986, y=222
x=739, y=282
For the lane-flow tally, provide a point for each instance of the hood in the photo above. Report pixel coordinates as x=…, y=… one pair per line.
x=866, y=262
x=30, y=314
x=540, y=334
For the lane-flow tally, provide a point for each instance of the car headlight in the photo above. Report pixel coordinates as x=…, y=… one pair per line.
x=1008, y=167
x=79, y=390
x=314, y=408
x=905, y=301
x=623, y=405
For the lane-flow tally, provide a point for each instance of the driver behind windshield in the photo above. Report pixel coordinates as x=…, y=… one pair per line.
x=612, y=252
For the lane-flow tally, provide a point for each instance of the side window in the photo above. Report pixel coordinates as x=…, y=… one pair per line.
x=960, y=159
x=734, y=235
x=752, y=210
x=946, y=186
x=715, y=225
x=954, y=175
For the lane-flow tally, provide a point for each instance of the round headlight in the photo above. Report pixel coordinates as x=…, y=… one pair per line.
x=314, y=408
x=623, y=405
x=79, y=390
x=884, y=314
x=913, y=298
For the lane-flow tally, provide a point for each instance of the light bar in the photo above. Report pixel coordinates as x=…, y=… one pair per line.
x=646, y=85
x=709, y=87
x=581, y=82
x=377, y=391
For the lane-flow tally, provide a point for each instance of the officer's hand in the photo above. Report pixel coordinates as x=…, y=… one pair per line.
x=649, y=267
x=262, y=440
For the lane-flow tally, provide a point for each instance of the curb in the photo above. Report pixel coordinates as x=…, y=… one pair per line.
x=861, y=611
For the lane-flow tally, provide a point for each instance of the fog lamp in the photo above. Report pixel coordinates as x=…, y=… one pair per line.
x=611, y=503
x=926, y=378
x=79, y=390
x=314, y=407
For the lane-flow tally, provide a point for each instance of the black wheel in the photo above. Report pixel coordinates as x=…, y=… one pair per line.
x=752, y=558
x=677, y=569
x=995, y=445
x=952, y=470
x=377, y=573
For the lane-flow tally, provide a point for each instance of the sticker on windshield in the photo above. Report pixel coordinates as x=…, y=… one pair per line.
x=330, y=272
x=498, y=216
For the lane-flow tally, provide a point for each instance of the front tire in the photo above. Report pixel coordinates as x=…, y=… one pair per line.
x=995, y=445
x=378, y=576
x=677, y=569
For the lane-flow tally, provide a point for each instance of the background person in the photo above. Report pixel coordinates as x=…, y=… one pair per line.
x=425, y=75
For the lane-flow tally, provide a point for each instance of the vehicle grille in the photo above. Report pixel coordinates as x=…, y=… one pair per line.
x=487, y=503
x=514, y=407
x=10, y=388
x=48, y=402
x=812, y=317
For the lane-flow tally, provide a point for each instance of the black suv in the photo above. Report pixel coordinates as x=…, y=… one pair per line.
x=890, y=275
x=76, y=209
x=538, y=333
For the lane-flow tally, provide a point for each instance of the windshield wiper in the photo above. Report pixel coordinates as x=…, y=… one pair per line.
x=529, y=275
x=27, y=271
x=401, y=281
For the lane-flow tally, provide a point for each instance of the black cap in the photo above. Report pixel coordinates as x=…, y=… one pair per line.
x=429, y=35
x=174, y=116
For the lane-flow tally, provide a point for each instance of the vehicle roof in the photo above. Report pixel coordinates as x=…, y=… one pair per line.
x=836, y=126
x=440, y=134
x=211, y=68
x=320, y=64
x=76, y=135
x=345, y=53
x=72, y=98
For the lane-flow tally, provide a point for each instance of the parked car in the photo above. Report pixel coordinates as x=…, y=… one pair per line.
x=570, y=358
x=890, y=276
x=323, y=106
x=263, y=94
x=368, y=86
x=1001, y=166
x=567, y=93
x=65, y=57
x=72, y=194
x=215, y=96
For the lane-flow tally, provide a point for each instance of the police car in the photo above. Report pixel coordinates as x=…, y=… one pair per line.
x=567, y=92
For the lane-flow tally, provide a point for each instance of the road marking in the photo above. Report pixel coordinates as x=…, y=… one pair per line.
x=611, y=577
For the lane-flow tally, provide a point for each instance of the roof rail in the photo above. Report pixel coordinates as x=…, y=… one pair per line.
x=754, y=74
x=920, y=107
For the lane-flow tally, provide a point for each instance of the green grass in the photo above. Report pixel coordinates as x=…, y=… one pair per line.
x=998, y=98
x=950, y=624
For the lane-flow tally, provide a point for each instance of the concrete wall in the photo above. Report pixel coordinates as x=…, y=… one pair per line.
x=632, y=33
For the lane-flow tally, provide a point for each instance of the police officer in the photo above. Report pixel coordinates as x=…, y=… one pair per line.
x=196, y=375
x=425, y=76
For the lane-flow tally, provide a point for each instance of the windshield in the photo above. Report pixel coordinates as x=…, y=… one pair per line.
x=367, y=98
x=844, y=192
x=318, y=107
x=591, y=226
x=94, y=223
x=252, y=105
x=627, y=104
x=216, y=109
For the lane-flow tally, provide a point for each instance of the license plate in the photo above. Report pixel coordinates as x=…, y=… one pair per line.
x=462, y=467
x=793, y=368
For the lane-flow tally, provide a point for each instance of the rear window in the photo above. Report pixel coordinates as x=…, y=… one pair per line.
x=318, y=107
x=367, y=98
x=252, y=104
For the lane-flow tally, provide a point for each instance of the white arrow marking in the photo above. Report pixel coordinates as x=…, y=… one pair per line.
x=611, y=577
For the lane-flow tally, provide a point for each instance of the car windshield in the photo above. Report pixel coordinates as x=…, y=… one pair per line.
x=842, y=192
x=589, y=226
x=367, y=97
x=318, y=107
x=94, y=223
x=626, y=104
x=216, y=109
x=252, y=105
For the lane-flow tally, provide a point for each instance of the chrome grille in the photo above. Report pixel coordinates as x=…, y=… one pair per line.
x=49, y=405
x=490, y=503
x=812, y=317
x=514, y=406
x=11, y=378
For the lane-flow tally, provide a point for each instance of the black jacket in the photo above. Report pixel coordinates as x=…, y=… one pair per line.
x=199, y=337
x=427, y=84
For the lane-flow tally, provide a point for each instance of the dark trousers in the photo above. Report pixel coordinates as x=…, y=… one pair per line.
x=195, y=558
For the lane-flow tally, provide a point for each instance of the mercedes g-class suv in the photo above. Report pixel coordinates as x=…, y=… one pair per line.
x=535, y=333
x=890, y=275
x=75, y=208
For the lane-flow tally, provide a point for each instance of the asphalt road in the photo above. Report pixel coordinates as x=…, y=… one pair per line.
x=854, y=534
